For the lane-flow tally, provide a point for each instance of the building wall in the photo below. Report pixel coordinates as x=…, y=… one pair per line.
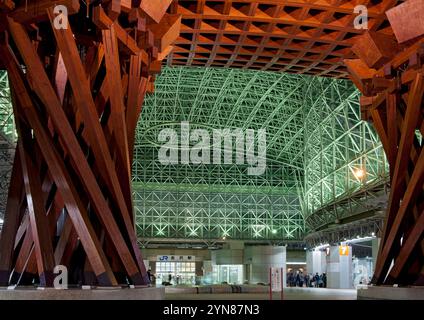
x=261, y=258
x=316, y=262
x=150, y=256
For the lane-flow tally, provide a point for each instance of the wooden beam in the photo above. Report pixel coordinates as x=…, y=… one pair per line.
x=37, y=215
x=23, y=226
x=7, y=5
x=22, y=255
x=359, y=73
x=61, y=77
x=47, y=95
x=85, y=104
x=36, y=11
x=11, y=221
x=379, y=126
x=408, y=132
x=154, y=9
x=114, y=9
x=392, y=131
x=167, y=31
x=63, y=240
x=407, y=20
x=375, y=48
x=60, y=174
x=102, y=21
x=415, y=186
x=134, y=79
x=117, y=115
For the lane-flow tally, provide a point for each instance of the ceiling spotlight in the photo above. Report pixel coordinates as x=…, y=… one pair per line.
x=274, y=231
x=224, y=237
x=359, y=173
x=373, y=234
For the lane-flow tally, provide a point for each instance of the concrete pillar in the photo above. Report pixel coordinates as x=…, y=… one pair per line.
x=227, y=256
x=339, y=268
x=261, y=258
x=316, y=262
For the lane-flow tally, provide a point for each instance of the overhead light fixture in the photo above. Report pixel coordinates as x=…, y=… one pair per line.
x=224, y=237
x=274, y=231
x=359, y=173
x=323, y=246
x=372, y=234
x=359, y=239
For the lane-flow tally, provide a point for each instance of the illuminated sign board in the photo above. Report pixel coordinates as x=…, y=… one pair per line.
x=344, y=250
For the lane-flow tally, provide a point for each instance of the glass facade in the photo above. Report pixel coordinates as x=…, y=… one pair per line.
x=227, y=274
x=176, y=272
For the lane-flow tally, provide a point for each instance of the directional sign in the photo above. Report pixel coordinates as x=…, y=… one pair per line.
x=344, y=250
x=276, y=279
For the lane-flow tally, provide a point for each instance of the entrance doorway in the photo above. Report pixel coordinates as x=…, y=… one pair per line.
x=176, y=272
x=231, y=274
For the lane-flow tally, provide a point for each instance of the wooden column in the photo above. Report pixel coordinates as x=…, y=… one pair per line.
x=390, y=75
x=77, y=94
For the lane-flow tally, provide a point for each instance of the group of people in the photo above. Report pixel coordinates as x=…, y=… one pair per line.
x=299, y=279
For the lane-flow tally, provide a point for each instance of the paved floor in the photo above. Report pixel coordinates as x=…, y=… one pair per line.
x=289, y=294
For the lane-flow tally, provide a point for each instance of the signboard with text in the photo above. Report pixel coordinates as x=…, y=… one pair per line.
x=175, y=258
x=276, y=279
x=344, y=250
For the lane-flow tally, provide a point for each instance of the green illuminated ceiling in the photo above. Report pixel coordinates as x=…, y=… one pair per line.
x=228, y=98
x=7, y=126
x=315, y=144
x=221, y=200
x=315, y=141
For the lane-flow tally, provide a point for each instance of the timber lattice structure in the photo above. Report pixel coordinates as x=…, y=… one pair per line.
x=77, y=92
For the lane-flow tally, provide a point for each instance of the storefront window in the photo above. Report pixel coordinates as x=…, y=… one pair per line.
x=175, y=272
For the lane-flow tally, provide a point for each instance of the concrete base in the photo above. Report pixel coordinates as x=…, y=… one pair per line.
x=390, y=293
x=139, y=293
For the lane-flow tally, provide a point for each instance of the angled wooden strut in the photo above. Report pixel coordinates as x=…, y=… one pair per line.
x=392, y=84
x=76, y=105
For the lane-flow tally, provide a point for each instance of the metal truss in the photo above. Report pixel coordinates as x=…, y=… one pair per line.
x=333, y=236
x=316, y=142
x=346, y=171
x=218, y=98
x=217, y=200
x=7, y=140
x=209, y=202
x=7, y=123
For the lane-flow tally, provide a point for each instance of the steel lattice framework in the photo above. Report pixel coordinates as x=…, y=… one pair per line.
x=314, y=139
x=7, y=124
x=214, y=201
x=7, y=139
x=346, y=169
x=315, y=144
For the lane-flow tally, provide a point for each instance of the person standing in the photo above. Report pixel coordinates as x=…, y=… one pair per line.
x=316, y=280
x=297, y=278
x=324, y=280
x=307, y=280
x=149, y=275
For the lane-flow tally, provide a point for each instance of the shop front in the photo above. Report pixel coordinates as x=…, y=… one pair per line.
x=175, y=270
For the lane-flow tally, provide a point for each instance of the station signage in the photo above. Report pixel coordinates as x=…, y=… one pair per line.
x=175, y=258
x=344, y=250
x=276, y=275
